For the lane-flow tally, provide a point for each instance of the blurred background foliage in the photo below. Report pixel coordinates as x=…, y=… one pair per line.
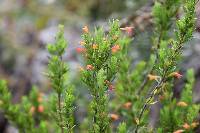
x=26, y=26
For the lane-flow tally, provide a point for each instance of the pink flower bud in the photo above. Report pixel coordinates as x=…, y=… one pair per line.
x=80, y=50
x=128, y=30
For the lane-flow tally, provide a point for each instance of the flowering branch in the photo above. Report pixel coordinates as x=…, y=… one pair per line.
x=162, y=14
x=166, y=65
x=101, y=58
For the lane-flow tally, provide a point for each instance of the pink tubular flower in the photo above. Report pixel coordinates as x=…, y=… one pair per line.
x=176, y=75
x=80, y=50
x=186, y=126
x=179, y=131
x=111, y=87
x=40, y=108
x=128, y=30
x=89, y=67
x=115, y=48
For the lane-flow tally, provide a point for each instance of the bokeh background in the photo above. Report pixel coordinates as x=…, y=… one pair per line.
x=27, y=26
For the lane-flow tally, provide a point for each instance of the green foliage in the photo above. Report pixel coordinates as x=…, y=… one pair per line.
x=170, y=56
x=164, y=12
x=60, y=45
x=57, y=72
x=25, y=115
x=181, y=114
x=57, y=69
x=168, y=51
x=101, y=66
x=126, y=93
x=122, y=128
x=187, y=22
x=69, y=109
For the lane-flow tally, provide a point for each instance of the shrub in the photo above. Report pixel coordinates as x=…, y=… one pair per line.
x=108, y=69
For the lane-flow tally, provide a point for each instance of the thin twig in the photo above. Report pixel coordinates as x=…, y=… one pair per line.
x=152, y=94
x=145, y=81
x=60, y=113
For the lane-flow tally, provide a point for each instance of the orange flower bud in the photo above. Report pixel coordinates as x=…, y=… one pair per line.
x=82, y=43
x=128, y=30
x=80, y=50
x=194, y=124
x=115, y=48
x=137, y=121
x=85, y=29
x=40, y=108
x=182, y=104
x=179, y=131
x=161, y=97
x=95, y=46
x=32, y=110
x=115, y=37
x=107, y=82
x=186, y=126
x=153, y=77
x=114, y=117
x=89, y=67
x=127, y=105
x=176, y=75
x=39, y=99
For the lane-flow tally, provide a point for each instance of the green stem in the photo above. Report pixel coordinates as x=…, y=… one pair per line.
x=60, y=113
x=145, y=81
x=152, y=94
